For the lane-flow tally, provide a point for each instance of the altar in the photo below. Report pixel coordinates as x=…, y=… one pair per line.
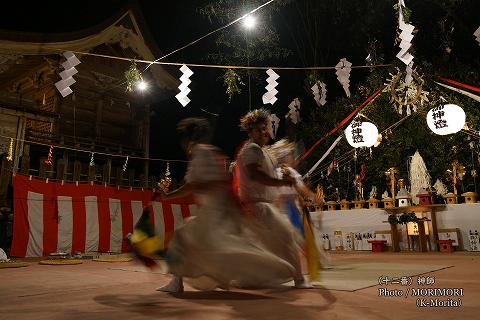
x=351, y=229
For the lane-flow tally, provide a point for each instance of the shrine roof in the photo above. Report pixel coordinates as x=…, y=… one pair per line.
x=126, y=28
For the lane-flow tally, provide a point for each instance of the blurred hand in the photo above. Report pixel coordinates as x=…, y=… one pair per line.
x=290, y=180
x=284, y=169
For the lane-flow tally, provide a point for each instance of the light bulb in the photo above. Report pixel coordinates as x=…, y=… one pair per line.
x=142, y=85
x=249, y=22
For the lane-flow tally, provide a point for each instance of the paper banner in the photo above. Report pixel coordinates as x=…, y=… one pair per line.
x=48, y=162
x=294, y=111
x=184, y=89
x=269, y=96
x=92, y=160
x=343, y=74
x=274, y=123
x=63, y=86
x=319, y=91
x=124, y=168
x=406, y=36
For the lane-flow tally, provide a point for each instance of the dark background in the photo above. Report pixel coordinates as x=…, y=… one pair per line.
x=175, y=23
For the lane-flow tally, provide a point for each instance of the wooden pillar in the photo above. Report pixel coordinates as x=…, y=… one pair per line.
x=144, y=176
x=422, y=238
x=433, y=217
x=25, y=165
x=62, y=166
x=98, y=120
x=92, y=173
x=77, y=170
x=21, y=125
x=107, y=171
x=119, y=176
x=42, y=169
x=5, y=179
x=395, y=242
x=131, y=177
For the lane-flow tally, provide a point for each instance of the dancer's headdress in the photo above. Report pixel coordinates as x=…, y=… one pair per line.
x=253, y=118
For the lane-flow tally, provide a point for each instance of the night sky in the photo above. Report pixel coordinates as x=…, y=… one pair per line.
x=175, y=23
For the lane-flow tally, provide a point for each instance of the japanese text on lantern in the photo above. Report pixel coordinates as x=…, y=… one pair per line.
x=437, y=116
x=357, y=136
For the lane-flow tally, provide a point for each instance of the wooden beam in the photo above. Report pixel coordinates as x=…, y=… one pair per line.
x=107, y=170
x=25, y=165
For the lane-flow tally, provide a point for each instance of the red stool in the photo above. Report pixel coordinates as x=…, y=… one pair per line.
x=377, y=245
x=446, y=246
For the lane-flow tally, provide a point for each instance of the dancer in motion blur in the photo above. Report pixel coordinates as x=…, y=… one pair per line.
x=258, y=189
x=291, y=202
x=211, y=250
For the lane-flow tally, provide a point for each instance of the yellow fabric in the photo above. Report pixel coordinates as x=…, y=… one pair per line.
x=146, y=246
x=137, y=236
x=311, y=251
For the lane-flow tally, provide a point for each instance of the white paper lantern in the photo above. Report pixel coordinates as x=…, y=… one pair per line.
x=446, y=119
x=361, y=134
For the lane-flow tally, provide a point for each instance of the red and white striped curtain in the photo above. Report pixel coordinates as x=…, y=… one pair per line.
x=55, y=217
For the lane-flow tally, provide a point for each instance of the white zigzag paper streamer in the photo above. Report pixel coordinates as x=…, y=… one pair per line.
x=477, y=35
x=320, y=93
x=92, y=160
x=343, y=74
x=409, y=77
x=63, y=86
x=406, y=36
x=184, y=89
x=274, y=123
x=294, y=113
x=124, y=168
x=269, y=96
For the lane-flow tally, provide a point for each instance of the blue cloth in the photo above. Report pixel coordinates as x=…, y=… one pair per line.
x=294, y=216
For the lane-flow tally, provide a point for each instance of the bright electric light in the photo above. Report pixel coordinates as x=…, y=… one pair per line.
x=142, y=85
x=249, y=22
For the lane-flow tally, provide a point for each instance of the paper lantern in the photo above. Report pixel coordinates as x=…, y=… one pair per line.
x=446, y=119
x=412, y=228
x=361, y=134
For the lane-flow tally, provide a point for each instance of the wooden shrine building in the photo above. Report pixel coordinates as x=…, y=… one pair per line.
x=99, y=117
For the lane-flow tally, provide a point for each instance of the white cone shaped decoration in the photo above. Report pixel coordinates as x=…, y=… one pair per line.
x=446, y=119
x=361, y=134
